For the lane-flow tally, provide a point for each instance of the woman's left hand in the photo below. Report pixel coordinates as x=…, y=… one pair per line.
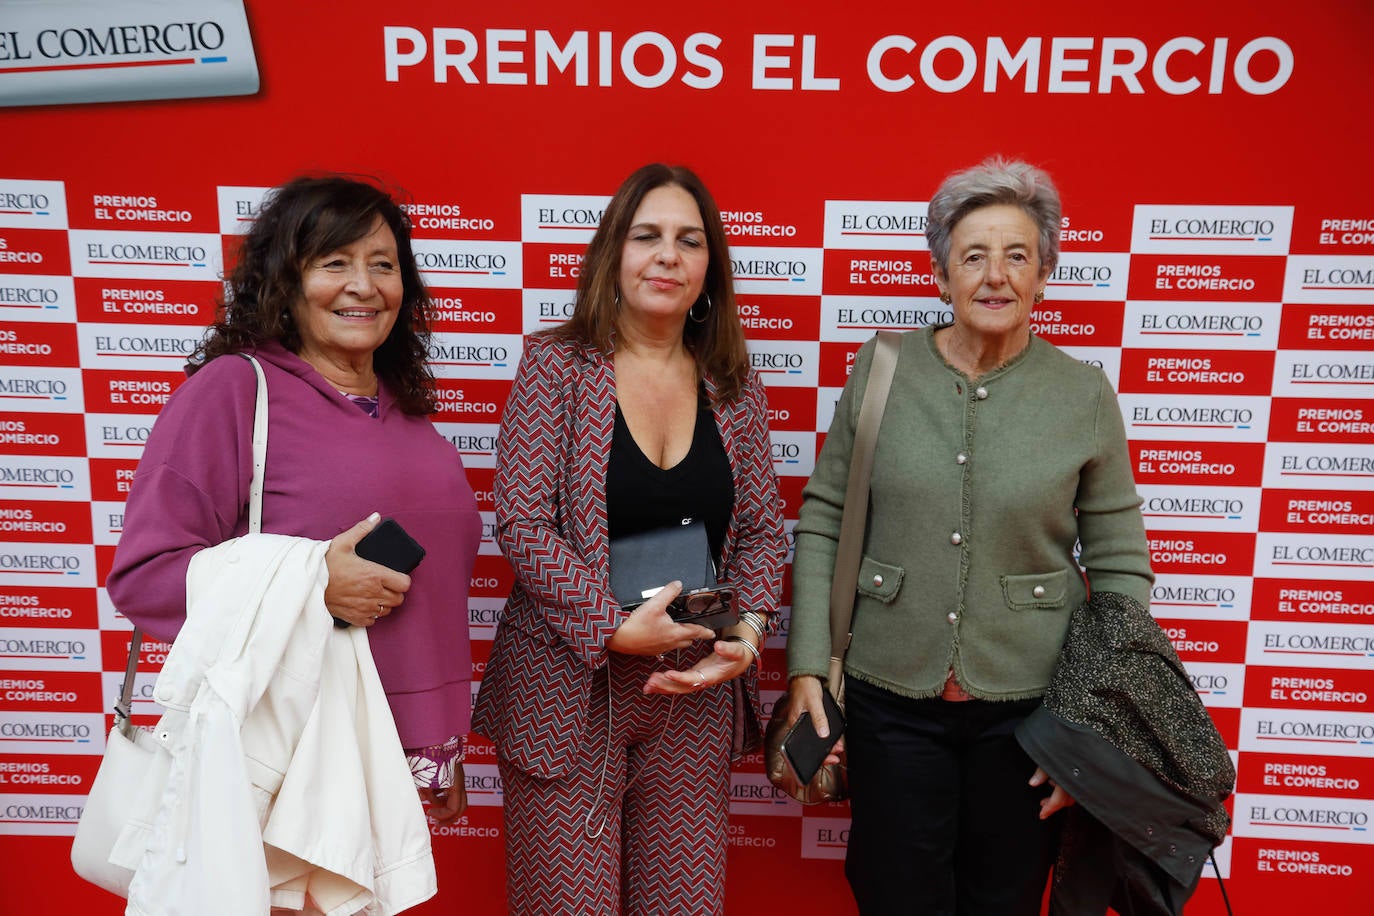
x=446, y=805
x=1056, y=799
x=728, y=661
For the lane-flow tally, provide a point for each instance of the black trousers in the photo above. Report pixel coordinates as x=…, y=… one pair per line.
x=944, y=821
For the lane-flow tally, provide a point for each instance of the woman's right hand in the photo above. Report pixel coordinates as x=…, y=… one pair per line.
x=650, y=631
x=360, y=591
x=806, y=696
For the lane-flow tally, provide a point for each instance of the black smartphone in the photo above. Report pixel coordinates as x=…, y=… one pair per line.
x=389, y=545
x=805, y=750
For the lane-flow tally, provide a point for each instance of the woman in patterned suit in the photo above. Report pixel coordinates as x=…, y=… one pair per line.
x=615, y=729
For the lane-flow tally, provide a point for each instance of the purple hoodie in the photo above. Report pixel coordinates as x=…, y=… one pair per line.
x=329, y=465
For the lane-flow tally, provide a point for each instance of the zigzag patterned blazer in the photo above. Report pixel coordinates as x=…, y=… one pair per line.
x=551, y=460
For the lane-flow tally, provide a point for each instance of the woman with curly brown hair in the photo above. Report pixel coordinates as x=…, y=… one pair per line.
x=326, y=296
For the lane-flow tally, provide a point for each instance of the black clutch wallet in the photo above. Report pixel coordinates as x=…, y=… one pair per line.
x=644, y=562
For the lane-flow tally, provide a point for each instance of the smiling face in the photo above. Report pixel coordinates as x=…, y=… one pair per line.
x=350, y=298
x=994, y=271
x=664, y=259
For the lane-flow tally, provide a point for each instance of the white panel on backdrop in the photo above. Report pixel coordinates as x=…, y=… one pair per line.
x=1198, y=326
x=1211, y=508
x=858, y=318
x=1089, y=275
x=129, y=347
x=30, y=203
x=475, y=442
x=1302, y=817
x=794, y=454
x=238, y=207
x=450, y=263
x=1306, y=732
x=1217, y=229
x=145, y=255
x=545, y=308
x=1325, y=374
x=788, y=363
x=1318, y=466
x=1194, y=597
x=117, y=435
x=565, y=219
x=1108, y=359
x=474, y=355
x=883, y=225
x=1343, y=279
x=24, y=478
x=777, y=271
x=36, y=298
x=1315, y=556
x=42, y=815
x=41, y=390
x=1195, y=417
x=1219, y=684
x=1313, y=645
x=43, y=649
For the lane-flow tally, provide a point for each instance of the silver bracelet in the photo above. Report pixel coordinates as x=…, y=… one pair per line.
x=747, y=644
x=755, y=622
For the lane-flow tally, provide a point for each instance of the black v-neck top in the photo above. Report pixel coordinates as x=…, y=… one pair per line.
x=640, y=495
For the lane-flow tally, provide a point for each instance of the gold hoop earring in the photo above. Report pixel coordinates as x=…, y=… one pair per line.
x=1039, y=297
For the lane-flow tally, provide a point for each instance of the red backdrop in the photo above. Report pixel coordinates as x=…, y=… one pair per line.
x=1218, y=263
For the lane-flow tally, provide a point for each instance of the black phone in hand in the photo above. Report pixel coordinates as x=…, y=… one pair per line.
x=805, y=750
x=390, y=545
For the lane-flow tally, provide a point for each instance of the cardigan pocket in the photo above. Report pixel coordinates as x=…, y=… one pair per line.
x=879, y=580
x=1036, y=590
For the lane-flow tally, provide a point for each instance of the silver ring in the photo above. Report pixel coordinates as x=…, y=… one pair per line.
x=381, y=608
x=701, y=680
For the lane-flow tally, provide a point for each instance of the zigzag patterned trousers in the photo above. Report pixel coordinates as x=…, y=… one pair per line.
x=649, y=837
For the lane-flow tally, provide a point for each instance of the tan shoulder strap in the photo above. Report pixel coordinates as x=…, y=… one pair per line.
x=855, y=519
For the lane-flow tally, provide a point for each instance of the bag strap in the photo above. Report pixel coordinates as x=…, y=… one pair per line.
x=854, y=521
x=124, y=705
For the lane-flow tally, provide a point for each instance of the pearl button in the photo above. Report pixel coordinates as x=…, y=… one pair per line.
x=961, y=458
x=956, y=538
x=1038, y=591
x=982, y=393
x=952, y=617
x=877, y=581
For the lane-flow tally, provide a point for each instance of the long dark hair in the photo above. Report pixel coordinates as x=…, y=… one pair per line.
x=717, y=343
x=301, y=220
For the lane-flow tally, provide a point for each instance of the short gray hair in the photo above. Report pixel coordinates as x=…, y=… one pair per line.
x=995, y=181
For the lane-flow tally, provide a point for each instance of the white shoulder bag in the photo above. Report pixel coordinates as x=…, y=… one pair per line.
x=132, y=753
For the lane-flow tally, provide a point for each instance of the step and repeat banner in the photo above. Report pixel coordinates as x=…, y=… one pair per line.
x=1218, y=264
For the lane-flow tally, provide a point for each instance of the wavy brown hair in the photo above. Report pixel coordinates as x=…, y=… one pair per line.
x=303, y=219
x=717, y=344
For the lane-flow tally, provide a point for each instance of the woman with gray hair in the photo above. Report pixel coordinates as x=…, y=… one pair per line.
x=998, y=456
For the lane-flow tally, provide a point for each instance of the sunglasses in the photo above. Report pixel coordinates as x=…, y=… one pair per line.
x=712, y=607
